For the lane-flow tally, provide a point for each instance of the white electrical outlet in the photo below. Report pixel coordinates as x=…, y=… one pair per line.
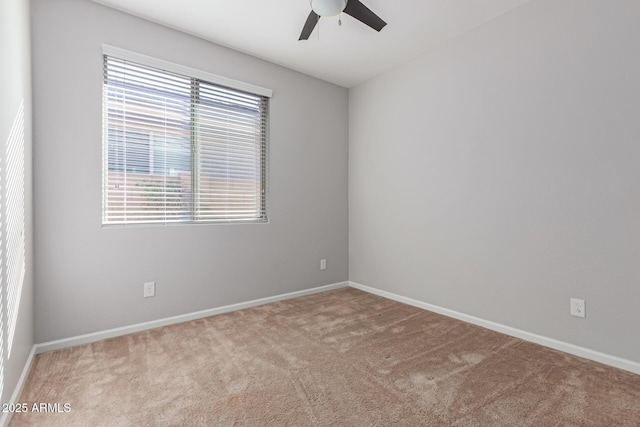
x=323, y=264
x=577, y=307
x=150, y=289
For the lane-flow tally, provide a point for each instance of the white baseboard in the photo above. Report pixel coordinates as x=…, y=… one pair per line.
x=6, y=417
x=617, y=362
x=125, y=330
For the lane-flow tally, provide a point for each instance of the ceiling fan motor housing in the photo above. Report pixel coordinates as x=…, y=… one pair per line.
x=328, y=7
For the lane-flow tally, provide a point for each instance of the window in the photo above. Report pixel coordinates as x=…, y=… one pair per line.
x=12, y=230
x=178, y=148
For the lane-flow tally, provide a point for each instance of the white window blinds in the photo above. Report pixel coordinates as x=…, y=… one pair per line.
x=180, y=149
x=13, y=242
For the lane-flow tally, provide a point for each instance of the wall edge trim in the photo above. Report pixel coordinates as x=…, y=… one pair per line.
x=17, y=391
x=596, y=356
x=138, y=327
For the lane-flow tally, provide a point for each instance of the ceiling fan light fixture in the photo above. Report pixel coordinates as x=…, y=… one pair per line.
x=353, y=8
x=328, y=7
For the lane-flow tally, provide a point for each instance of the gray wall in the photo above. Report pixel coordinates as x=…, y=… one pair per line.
x=499, y=175
x=90, y=278
x=15, y=89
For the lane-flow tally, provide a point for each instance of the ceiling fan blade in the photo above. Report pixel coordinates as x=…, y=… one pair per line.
x=312, y=20
x=363, y=14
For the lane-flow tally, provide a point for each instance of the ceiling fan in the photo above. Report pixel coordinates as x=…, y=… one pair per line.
x=354, y=8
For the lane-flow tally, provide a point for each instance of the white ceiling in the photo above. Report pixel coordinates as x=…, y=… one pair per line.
x=345, y=55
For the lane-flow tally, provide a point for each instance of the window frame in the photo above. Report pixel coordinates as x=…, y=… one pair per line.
x=207, y=78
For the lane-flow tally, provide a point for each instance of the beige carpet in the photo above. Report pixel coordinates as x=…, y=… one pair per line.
x=339, y=358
